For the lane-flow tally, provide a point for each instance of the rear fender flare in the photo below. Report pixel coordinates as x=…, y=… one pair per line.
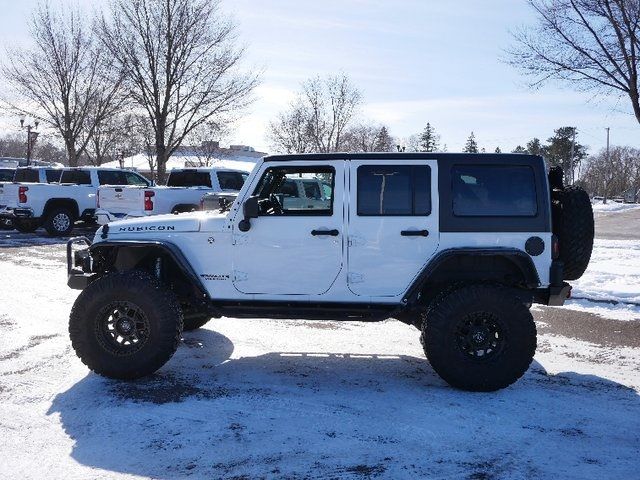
x=517, y=257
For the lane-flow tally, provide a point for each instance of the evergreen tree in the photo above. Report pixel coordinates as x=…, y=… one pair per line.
x=471, y=146
x=558, y=150
x=519, y=149
x=384, y=141
x=534, y=147
x=429, y=139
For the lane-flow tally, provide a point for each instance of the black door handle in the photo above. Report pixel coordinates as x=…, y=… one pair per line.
x=414, y=233
x=333, y=233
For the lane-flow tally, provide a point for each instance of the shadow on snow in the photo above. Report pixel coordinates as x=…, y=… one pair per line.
x=340, y=415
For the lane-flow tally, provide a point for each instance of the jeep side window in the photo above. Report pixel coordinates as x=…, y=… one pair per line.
x=279, y=194
x=493, y=191
x=402, y=190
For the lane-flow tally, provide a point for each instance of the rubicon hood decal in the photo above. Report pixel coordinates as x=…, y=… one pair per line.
x=156, y=223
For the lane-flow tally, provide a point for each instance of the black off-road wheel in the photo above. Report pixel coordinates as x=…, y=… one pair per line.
x=125, y=325
x=480, y=337
x=59, y=222
x=195, y=322
x=27, y=225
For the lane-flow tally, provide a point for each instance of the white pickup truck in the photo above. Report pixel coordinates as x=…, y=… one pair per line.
x=56, y=206
x=183, y=192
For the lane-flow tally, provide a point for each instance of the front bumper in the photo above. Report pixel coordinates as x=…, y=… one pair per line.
x=15, y=212
x=79, y=264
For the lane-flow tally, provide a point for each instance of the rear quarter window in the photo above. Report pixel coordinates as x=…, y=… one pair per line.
x=493, y=191
x=53, y=176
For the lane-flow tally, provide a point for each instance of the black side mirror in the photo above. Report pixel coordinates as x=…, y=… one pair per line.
x=250, y=209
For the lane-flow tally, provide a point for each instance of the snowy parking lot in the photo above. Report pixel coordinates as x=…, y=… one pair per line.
x=294, y=399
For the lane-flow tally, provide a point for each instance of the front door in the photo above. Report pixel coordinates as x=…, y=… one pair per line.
x=295, y=246
x=393, y=224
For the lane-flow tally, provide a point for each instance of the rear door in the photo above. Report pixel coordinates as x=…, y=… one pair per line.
x=393, y=224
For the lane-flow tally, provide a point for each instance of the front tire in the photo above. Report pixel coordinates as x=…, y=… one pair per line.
x=59, y=222
x=125, y=325
x=195, y=322
x=480, y=338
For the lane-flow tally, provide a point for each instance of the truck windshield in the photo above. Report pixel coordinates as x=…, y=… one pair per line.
x=77, y=177
x=231, y=180
x=189, y=178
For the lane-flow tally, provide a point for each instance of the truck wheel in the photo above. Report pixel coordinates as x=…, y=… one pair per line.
x=59, y=222
x=194, y=323
x=125, y=325
x=479, y=337
x=26, y=225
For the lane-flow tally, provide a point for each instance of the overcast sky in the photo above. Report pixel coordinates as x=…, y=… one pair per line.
x=416, y=61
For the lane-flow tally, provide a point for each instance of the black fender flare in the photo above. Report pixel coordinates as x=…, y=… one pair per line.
x=518, y=257
x=64, y=202
x=168, y=248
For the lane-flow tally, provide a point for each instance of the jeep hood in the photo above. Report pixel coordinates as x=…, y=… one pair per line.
x=156, y=223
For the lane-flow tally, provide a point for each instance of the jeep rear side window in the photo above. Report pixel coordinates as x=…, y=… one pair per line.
x=281, y=189
x=493, y=191
x=189, y=178
x=402, y=190
x=77, y=177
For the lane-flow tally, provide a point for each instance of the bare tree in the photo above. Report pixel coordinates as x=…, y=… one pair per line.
x=182, y=65
x=612, y=175
x=63, y=80
x=367, y=138
x=317, y=120
x=592, y=44
x=205, y=144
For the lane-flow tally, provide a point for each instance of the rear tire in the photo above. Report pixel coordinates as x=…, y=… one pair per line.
x=480, y=338
x=25, y=225
x=125, y=325
x=59, y=222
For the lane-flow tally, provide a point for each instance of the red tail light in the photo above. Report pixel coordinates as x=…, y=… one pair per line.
x=148, y=202
x=22, y=194
x=555, y=247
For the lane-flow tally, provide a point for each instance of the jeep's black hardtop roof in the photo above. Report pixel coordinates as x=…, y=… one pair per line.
x=476, y=157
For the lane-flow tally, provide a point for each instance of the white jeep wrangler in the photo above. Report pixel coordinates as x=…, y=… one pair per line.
x=458, y=245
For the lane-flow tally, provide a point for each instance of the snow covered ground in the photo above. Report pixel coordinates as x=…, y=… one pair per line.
x=611, y=284
x=250, y=399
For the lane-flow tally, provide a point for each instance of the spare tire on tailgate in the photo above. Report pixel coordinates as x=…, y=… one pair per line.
x=573, y=225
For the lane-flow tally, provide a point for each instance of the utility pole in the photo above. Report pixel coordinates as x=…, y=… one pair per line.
x=573, y=148
x=606, y=181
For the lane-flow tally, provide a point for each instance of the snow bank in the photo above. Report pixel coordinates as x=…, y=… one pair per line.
x=612, y=206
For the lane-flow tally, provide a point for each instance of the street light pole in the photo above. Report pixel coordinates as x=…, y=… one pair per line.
x=31, y=136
